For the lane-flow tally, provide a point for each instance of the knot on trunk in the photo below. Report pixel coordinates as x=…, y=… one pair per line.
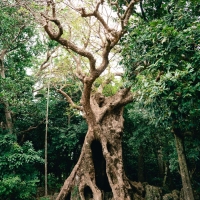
x=99, y=98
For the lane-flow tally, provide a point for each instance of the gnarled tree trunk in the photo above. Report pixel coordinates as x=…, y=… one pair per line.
x=100, y=166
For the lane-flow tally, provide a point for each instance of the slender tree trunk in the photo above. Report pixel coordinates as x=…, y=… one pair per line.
x=9, y=124
x=141, y=165
x=187, y=188
x=162, y=166
x=8, y=117
x=100, y=166
x=160, y=163
x=165, y=175
x=46, y=141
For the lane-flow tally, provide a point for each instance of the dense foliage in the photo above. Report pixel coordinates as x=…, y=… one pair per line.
x=18, y=173
x=160, y=56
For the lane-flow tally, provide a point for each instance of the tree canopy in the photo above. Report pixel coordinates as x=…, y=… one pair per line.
x=95, y=57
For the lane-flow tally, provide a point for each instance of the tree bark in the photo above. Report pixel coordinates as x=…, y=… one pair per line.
x=100, y=166
x=8, y=116
x=187, y=188
x=160, y=163
x=165, y=175
x=153, y=192
x=9, y=124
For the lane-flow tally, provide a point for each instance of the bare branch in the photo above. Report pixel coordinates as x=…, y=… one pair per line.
x=105, y=59
x=68, y=99
x=87, y=39
x=67, y=44
x=96, y=14
x=45, y=64
x=52, y=35
x=79, y=51
x=31, y=127
x=53, y=8
x=128, y=13
x=80, y=75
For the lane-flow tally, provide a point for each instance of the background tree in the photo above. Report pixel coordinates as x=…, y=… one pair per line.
x=17, y=54
x=19, y=176
x=163, y=44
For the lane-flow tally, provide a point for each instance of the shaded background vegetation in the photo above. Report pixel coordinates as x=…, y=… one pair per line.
x=160, y=56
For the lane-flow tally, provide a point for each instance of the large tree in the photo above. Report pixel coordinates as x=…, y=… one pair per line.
x=165, y=47
x=90, y=32
x=17, y=53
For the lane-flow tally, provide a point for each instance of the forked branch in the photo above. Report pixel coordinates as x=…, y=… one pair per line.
x=100, y=105
x=46, y=63
x=68, y=99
